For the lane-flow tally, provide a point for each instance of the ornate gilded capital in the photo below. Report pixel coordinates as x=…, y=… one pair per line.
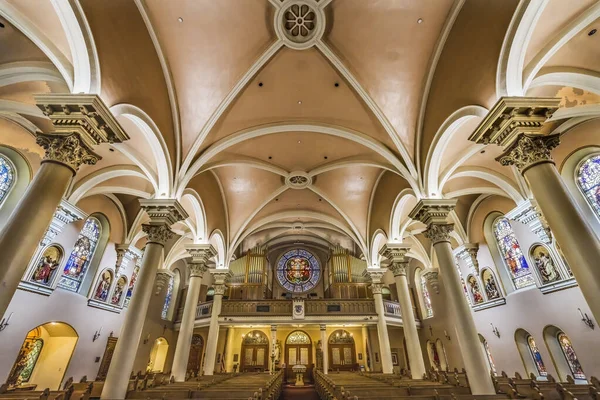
x=399, y=268
x=432, y=277
x=432, y=211
x=68, y=150
x=157, y=233
x=439, y=232
x=197, y=269
x=529, y=151
x=376, y=288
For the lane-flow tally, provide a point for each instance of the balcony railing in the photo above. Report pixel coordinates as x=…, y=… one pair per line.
x=391, y=308
x=232, y=308
x=339, y=307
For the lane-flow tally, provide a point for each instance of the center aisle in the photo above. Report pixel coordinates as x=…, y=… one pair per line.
x=307, y=392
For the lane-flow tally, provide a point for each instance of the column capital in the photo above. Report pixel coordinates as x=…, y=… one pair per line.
x=433, y=211
x=65, y=214
x=432, y=276
x=162, y=279
x=80, y=122
x=395, y=252
x=157, y=233
x=200, y=253
x=166, y=211
x=273, y=328
x=439, y=232
x=374, y=274
x=377, y=288
x=468, y=253
x=529, y=150
x=197, y=270
x=220, y=275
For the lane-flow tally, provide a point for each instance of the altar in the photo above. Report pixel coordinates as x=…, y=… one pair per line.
x=299, y=370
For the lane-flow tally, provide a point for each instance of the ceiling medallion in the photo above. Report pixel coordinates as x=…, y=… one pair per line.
x=299, y=23
x=298, y=180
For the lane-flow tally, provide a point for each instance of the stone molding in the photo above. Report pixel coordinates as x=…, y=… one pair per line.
x=529, y=214
x=376, y=288
x=165, y=211
x=432, y=211
x=395, y=252
x=219, y=290
x=399, y=268
x=375, y=275
x=65, y=214
x=157, y=233
x=162, y=279
x=432, y=277
x=468, y=253
x=200, y=253
x=68, y=150
x=197, y=270
x=438, y=233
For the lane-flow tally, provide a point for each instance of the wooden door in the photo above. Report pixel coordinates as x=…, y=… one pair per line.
x=342, y=351
x=195, y=357
x=255, y=358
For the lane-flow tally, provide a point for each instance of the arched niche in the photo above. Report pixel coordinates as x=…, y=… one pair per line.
x=563, y=355
x=118, y=293
x=488, y=354
x=48, y=265
x=158, y=355
x=528, y=349
x=342, y=351
x=547, y=268
x=491, y=287
x=255, y=352
x=44, y=357
x=22, y=176
x=103, y=285
x=475, y=291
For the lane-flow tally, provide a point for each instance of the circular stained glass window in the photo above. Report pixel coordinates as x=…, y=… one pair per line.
x=298, y=271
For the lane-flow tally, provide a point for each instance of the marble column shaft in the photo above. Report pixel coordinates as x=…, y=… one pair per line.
x=213, y=328
x=382, y=332
x=325, y=349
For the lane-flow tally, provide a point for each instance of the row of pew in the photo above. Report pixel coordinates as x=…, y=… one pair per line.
x=518, y=387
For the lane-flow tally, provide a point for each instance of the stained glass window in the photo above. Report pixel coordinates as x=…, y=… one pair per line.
x=298, y=337
x=537, y=357
x=7, y=177
x=462, y=281
x=134, y=276
x=511, y=252
x=475, y=290
x=81, y=256
x=298, y=271
x=545, y=264
x=31, y=359
x=426, y=298
x=26, y=360
x=47, y=265
x=168, y=298
x=488, y=353
x=569, y=352
x=118, y=292
x=588, y=179
x=103, y=286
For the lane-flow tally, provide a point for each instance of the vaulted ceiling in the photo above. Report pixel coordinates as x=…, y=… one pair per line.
x=265, y=135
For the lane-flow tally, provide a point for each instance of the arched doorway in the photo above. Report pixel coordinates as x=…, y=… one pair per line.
x=44, y=357
x=158, y=355
x=255, y=350
x=342, y=351
x=298, y=351
x=195, y=358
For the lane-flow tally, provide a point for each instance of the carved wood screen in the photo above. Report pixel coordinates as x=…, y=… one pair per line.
x=342, y=351
x=111, y=343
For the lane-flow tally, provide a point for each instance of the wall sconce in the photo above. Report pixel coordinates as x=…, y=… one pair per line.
x=495, y=330
x=4, y=323
x=147, y=339
x=584, y=317
x=97, y=335
x=446, y=334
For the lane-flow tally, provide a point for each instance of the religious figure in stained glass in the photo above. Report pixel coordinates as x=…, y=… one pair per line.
x=545, y=264
x=569, y=352
x=435, y=357
x=588, y=179
x=537, y=357
x=169, y=296
x=475, y=291
x=463, y=282
x=80, y=257
x=298, y=271
x=103, y=286
x=134, y=276
x=511, y=252
x=7, y=177
x=489, y=356
x=26, y=359
x=45, y=270
x=491, y=287
x=118, y=292
x=426, y=298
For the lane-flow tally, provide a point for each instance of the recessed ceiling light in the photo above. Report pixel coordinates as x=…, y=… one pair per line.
x=180, y=19
x=299, y=142
x=592, y=32
x=420, y=21
x=299, y=101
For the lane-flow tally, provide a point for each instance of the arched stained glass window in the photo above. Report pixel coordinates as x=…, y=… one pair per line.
x=569, y=352
x=510, y=249
x=298, y=271
x=488, y=354
x=489, y=283
x=81, y=256
x=134, y=276
x=537, y=357
x=31, y=359
x=588, y=180
x=7, y=177
x=475, y=290
x=426, y=298
x=168, y=298
x=462, y=281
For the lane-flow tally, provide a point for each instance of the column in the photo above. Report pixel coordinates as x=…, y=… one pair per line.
x=219, y=277
x=163, y=213
x=200, y=253
x=376, y=276
x=229, y=349
x=396, y=253
x=367, y=346
x=520, y=125
x=273, y=348
x=324, y=348
x=80, y=122
x=433, y=213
